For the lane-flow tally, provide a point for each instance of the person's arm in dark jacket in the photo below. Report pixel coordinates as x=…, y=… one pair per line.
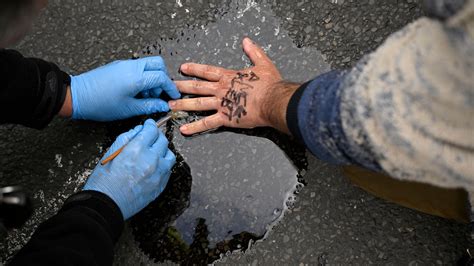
x=32, y=91
x=404, y=109
x=86, y=229
x=84, y=232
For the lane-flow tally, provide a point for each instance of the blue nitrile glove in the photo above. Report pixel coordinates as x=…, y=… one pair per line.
x=139, y=173
x=108, y=92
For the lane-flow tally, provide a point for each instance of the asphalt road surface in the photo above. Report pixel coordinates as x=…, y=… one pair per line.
x=331, y=222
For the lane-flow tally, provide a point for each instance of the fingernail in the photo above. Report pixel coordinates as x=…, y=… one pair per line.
x=183, y=128
x=172, y=104
x=184, y=67
x=248, y=41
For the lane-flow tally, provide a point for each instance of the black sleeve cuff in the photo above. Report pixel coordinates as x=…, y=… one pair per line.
x=292, y=112
x=99, y=206
x=32, y=92
x=53, y=85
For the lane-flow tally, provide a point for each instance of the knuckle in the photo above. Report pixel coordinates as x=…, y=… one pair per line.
x=149, y=169
x=122, y=138
x=134, y=149
x=197, y=85
x=125, y=135
x=198, y=102
x=178, y=104
x=222, y=82
x=138, y=142
x=206, y=124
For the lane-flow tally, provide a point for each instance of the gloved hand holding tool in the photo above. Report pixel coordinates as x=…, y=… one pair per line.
x=109, y=92
x=139, y=174
x=161, y=122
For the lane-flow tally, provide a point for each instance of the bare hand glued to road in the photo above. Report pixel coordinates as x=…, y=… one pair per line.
x=248, y=98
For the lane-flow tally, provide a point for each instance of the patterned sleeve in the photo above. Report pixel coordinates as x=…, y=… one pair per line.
x=407, y=109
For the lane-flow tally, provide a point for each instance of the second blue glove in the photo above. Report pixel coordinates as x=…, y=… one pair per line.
x=139, y=173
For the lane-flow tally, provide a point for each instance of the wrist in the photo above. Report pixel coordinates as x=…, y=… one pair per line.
x=66, y=109
x=275, y=105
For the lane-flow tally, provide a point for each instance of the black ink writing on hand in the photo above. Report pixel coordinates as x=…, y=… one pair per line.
x=235, y=100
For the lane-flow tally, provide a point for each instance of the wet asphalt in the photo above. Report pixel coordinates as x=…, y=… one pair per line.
x=332, y=222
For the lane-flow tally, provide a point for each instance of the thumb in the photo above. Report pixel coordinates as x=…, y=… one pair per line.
x=122, y=140
x=255, y=53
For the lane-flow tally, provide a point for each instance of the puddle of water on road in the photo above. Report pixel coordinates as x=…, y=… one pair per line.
x=226, y=190
x=229, y=187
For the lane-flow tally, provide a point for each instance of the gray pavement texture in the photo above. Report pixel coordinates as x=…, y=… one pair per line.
x=331, y=222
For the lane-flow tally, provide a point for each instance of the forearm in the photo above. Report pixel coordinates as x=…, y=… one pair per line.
x=84, y=232
x=33, y=91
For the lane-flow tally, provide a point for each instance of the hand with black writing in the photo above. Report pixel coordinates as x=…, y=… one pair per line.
x=248, y=98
